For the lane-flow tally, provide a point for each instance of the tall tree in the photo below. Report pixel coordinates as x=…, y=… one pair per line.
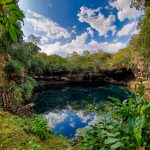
x=140, y=4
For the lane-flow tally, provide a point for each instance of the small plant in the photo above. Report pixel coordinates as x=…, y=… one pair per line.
x=33, y=146
x=39, y=127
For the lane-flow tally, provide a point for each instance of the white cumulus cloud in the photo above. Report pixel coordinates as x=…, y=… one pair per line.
x=79, y=44
x=47, y=27
x=127, y=29
x=124, y=9
x=90, y=31
x=97, y=20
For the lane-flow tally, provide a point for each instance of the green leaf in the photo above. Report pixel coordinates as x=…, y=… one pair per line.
x=113, y=134
x=111, y=140
x=12, y=32
x=116, y=145
x=103, y=149
x=116, y=100
x=7, y=1
x=144, y=108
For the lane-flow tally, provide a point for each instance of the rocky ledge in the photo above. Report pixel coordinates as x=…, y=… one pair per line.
x=115, y=76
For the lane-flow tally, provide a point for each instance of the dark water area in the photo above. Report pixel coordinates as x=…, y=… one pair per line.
x=64, y=106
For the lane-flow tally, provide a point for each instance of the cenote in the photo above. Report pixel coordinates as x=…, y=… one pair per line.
x=64, y=105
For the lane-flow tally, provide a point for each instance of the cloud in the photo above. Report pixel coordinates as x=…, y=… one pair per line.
x=46, y=27
x=72, y=123
x=55, y=118
x=124, y=10
x=49, y=4
x=97, y=20
x=79, y=44
x=90, y=32
x=127, y=29
x=74, y=29
x=84, y=118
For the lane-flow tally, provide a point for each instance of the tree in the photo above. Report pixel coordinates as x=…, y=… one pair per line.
x=74, y=53
x=121, y=59
x=141, y=41
x=34, y=39
x=86, y=53
x=138, y=4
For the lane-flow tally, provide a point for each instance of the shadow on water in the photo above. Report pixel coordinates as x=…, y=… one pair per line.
x=64, y=106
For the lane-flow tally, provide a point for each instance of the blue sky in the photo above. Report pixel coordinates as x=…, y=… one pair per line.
x=77, y=25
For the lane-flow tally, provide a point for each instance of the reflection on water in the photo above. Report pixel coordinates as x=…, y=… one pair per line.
x=66, y=123
x=64, y=106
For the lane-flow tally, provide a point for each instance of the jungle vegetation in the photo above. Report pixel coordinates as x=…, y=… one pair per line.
x=128, y=121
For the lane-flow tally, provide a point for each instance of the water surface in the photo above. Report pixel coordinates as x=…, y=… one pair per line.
x=64, y=106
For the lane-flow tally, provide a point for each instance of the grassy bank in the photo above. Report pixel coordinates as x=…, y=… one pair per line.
x=14, y=135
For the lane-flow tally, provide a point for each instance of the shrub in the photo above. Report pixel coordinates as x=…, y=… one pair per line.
x=22, y=55
x=36, y=125
x=23, y=91
x=39, y=127
x=37, y=66
x=28, y=86
x=17, y=94
x=33, y=146
x=123, y=126
x=14, y=68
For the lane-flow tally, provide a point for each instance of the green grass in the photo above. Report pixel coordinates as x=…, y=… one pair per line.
x=14, y=135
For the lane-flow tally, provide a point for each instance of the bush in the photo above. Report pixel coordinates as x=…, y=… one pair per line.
x=23, y=91
x=14, y=68
x=23, y=56
x=17, y=94
x=28, y=86
x=123, y=126
x=33, y=146
x=39, y=127
x=36, y=125
x=37, y=66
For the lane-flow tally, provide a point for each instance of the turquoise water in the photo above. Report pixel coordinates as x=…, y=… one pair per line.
x=64, y=106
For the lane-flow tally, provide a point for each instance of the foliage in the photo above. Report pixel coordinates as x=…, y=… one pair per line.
x=39, y=127
x=125, y=125
x=23, y=91
x=34, y=39
x=14, y=68
x=33, y=146
x=92, y=62
x=23, y=55
x=141, y=42
x=10, y=14
x=27, y=87
x=37, y=66
x=140, y=4
x=120, y=59
x=17, y=94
